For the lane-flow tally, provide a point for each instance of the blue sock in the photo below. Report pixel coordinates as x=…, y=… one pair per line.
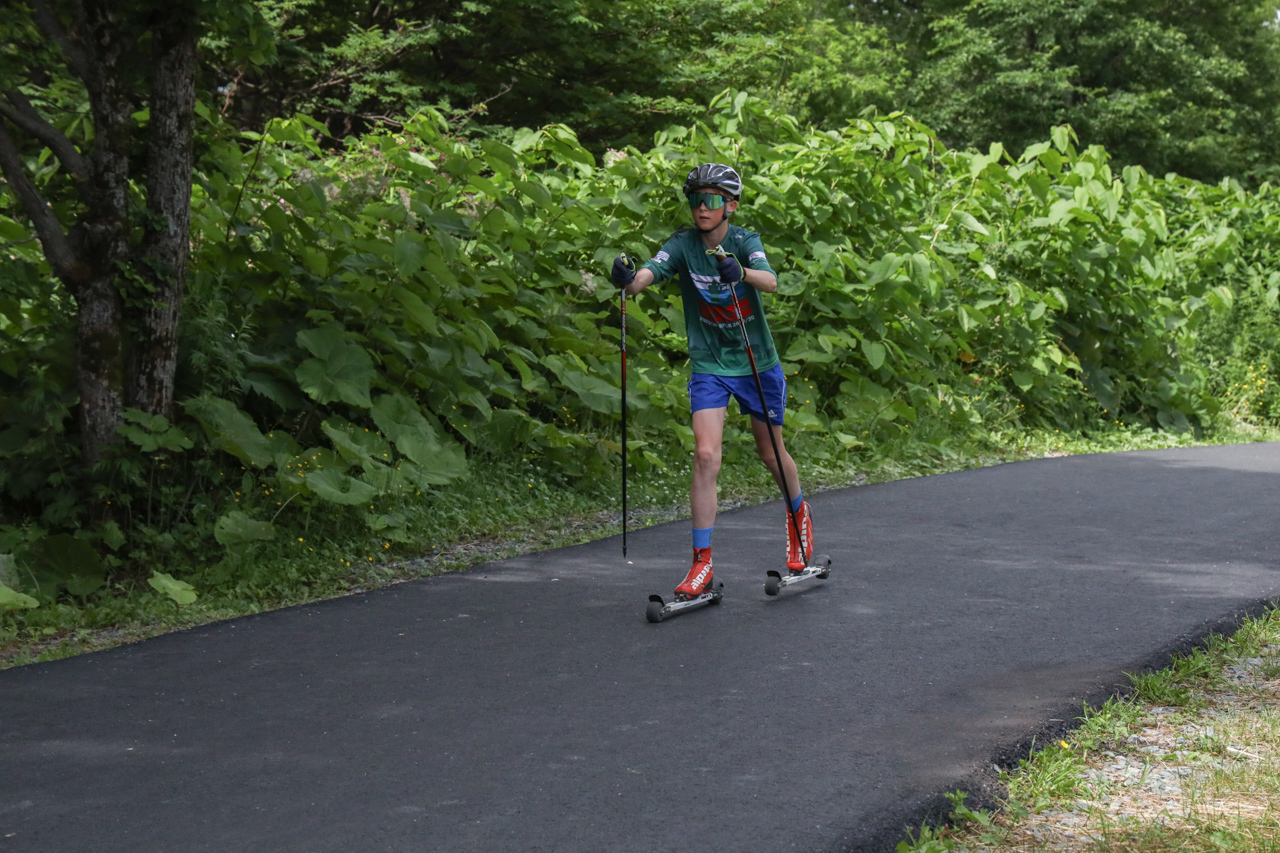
x=702, y=536
x=795, y=502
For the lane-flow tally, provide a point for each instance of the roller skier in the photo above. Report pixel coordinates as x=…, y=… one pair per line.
x=723, y=269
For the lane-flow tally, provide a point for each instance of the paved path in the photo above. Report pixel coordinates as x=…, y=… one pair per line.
x=527, y=705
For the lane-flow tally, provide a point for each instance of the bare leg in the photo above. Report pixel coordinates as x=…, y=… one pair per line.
x=708, y=436
x=761, y=432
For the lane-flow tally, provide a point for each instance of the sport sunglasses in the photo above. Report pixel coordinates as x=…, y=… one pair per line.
x=711, y=200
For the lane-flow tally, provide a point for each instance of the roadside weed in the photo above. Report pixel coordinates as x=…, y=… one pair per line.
x=1050, y=774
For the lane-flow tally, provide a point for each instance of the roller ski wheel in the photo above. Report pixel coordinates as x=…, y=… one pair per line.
x=819, y=567
x=659, y=609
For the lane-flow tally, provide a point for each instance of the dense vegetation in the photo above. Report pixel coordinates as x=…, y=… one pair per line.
x=394, y=285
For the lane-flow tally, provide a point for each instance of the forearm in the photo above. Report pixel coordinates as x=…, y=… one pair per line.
x=644, y=278
x=765, y=282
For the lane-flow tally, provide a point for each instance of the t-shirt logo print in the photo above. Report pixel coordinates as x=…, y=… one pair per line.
x=712, y=290
x=717, y=301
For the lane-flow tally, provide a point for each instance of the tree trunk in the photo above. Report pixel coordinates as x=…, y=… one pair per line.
x=166, y=244
x=101, y=239
x=100, y=42
x=99, y=363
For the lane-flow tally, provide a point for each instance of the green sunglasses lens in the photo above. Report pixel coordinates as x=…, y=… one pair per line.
x=711, y=200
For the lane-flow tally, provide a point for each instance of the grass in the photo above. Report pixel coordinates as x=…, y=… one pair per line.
x=1189, y=762
x=508, y=508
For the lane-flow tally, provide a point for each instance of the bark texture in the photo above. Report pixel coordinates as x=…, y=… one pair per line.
x=101, y=238
x=166, y=245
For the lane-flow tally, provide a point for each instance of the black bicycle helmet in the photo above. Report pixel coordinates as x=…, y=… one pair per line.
x=714, y=175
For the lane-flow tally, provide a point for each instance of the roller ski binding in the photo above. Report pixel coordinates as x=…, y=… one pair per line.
x=699, y=588
x=799, y=546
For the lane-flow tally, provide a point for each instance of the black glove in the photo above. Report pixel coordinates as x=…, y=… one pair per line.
x=622, y=274
x=730, y=269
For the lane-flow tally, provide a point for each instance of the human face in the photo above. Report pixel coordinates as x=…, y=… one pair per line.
x=705, y=218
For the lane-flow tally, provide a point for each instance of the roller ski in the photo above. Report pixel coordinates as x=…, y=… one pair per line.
x=699, y=589
x=799, y=546
x=820, y=568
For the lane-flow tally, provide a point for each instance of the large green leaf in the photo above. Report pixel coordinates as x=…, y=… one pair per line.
x=968, y=221
x=341, y=371
x=14, y=600
x=64, y=560
x=408, y=252
x=237, y=528
x=874, y=351
x=385, y=478
x=180, y=592
x=339, y=488
x=231, y=430
x=357, y=444
x=418, y=311
x=593, y=391
x=400, y=420
x=153, y=432
x=11, y=599
x=444, y=469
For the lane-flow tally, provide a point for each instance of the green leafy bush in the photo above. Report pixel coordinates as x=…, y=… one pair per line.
x=364, y=328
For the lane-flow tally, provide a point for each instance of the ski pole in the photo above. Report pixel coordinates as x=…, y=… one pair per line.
x=721, y=254
x=629, y=264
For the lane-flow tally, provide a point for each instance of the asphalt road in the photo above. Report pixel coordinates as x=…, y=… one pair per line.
x=527, y=705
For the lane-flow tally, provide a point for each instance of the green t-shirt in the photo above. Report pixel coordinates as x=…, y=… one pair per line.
x=710, y=322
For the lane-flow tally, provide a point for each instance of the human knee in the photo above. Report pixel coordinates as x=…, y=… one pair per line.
x=707, y=458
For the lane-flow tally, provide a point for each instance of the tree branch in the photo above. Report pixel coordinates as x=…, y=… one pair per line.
x=47, y=20
x=57, y=248
x=24, y=115
x=458, y=119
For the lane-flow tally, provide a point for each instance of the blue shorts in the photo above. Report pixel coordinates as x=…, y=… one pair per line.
x=708, y=391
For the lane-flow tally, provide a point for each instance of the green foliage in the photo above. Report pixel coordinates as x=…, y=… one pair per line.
x=1169, y=86
x=13, y=600
x=61, y=562
x=235, y=528
x=368, y=327
x=1172, y=685
x=1051, y=773
x=1238, y=347
x=180, y=592
x=1107, y=726
x=929, y=839
x=153, y=432
x=635, y=66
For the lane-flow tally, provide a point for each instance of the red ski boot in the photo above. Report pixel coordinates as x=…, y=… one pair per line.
x=699, y=578
x=797, y=555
